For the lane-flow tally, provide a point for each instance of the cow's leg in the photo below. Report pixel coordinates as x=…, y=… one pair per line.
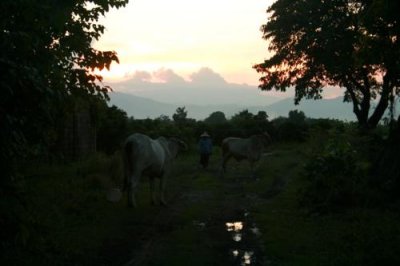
x=131, y=196
x=152, y=190
x=162, y=190
x=127, y=173
x=132, y=184
x=225, y=159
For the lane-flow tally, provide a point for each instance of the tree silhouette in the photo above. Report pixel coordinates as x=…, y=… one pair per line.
x=352, y=44
x=261, y=116
x=46, y=64
x=180, y=116
x=296, y=116
x=217, y=117
x=46, y=60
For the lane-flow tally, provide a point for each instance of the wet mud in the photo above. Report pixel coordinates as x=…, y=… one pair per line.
x=222, y=232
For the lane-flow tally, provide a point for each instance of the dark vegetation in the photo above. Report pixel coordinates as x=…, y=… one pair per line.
x=352, y=44
x=320, y=171
x=327, y=194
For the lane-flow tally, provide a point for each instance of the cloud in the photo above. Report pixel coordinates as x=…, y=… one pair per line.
x=205, y=87
x=167, y=76
x=139, y=76
x=206, y=75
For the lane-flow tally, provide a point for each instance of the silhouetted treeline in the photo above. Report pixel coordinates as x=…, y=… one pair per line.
x=114, y=126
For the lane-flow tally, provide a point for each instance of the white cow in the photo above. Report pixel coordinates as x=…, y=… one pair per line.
x=144, y=156
x=249, y=149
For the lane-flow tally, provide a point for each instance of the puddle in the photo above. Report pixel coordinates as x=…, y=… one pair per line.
x=200, y=225
x=245, y=246
x=242, y=241
x=241, y=257
x=255, y=231
x=235, y=228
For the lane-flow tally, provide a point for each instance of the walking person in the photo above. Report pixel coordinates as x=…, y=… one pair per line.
x=205, y=149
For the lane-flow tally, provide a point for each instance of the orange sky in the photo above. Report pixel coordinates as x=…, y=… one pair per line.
x=185, y=36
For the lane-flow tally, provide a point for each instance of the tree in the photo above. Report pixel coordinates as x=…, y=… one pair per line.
x=180, y=115
x=261, y=116
x=163, y=118
x=244, y=124
x=112, y=129
x=354, y=44
x=46, y=63
x=217, y=117
x=46, y=60
x=243, y=115
x=296, y=116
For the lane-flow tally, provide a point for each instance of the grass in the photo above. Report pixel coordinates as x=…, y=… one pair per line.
x=74, y=224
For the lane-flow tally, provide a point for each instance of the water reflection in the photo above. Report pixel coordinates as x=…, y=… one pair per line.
x=200, y=225
x=255, y=231
x=244, y=234
x=247, y=257
x=235, y=228
x=243, y=257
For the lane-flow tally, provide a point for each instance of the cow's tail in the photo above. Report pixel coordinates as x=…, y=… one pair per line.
x=128, y=165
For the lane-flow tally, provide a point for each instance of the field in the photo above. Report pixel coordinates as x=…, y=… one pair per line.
x=209, y=220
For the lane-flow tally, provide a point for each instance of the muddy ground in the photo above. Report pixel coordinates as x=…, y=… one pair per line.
x=208, y=221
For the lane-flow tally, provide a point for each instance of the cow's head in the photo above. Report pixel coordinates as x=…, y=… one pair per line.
x=177, y=145
x=265, y=138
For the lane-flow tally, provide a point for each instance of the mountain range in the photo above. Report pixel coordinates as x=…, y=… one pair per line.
x=141, y=107
x=145, y=94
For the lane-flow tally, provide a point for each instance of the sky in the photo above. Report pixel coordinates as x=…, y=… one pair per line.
x=184, y=36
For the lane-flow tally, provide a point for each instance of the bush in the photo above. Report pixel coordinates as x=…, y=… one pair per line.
x=386, y=170
x=290, y=130
x=336, y=178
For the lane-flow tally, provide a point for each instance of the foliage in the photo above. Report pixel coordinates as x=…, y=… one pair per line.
x=336, y=178
x=386, y=159
x=293, y=128
x=296, y=116
x=46, y=58
x=352, y=44
x=246, y=123
x=242, y=124
x=217, y=117
x=112, y=129
x=47, y=63
x=180, y=115
x=77, y=226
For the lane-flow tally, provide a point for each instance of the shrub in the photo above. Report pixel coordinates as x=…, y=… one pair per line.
x=290, y=130
x=336, y=178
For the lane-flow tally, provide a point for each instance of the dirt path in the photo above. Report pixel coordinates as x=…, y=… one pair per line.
x=208, y=222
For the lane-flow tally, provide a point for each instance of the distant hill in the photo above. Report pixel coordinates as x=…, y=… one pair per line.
x=140, y=107
x=323, y=108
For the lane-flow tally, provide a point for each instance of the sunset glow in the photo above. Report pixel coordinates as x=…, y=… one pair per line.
x=185, y=36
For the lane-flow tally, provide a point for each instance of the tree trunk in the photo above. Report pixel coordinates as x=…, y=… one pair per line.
x=382, y=104
x=360, y=110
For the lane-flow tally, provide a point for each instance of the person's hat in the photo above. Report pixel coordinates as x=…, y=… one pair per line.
x=205, y=134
